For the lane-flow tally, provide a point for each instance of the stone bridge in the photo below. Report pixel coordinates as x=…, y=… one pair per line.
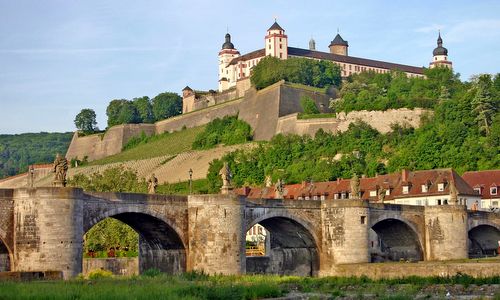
x=43, y=229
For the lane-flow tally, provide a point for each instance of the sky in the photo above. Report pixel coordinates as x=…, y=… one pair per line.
x=58, y=57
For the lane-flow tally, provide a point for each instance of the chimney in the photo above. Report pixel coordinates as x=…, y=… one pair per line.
x=404, y=175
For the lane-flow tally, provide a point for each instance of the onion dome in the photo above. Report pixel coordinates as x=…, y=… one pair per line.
x=440, y=50
x=227, y=44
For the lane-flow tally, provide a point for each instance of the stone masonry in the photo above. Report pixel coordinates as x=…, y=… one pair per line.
x=42, y=229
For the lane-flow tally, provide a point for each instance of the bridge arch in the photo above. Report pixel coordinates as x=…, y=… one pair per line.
x=397, y=239
x=6, y=258
x=293, y=246
x=484, y=238
x=161, y=245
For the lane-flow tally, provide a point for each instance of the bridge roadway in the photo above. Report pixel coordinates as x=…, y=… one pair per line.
x=43, y=229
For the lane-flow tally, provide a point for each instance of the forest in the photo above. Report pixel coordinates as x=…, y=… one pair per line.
x=18, y=151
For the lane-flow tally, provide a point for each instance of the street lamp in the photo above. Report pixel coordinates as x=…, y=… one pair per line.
x=190, y=181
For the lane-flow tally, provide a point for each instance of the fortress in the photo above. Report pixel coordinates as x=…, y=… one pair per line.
x=269, y=111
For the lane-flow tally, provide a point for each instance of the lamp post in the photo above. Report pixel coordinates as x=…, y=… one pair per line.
x=190, y=181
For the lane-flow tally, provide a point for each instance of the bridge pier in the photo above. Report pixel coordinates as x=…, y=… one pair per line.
x=216, y=234
x=345, y=234
x=446, y=232
x=48, y=230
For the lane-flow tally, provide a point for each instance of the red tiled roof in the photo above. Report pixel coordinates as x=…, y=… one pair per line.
x=392, y=182
x=248, y=56
x=484, y=180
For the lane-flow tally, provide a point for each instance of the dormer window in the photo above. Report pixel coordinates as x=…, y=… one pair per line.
x=373, y=193
x=477, y=190
x=406, y=189
x=440, y=187
x=425, y=188
x=493, y=190
x=387, y=192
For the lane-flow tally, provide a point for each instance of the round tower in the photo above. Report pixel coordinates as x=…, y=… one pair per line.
x=227, y=73
x=339, y=46
x=440, y=55
x=276, y=42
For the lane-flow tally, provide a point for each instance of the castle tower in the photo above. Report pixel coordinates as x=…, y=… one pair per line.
x=440, y=55
x=338, y=46
x=276, y=42
x=227, y=73
x=312, y=44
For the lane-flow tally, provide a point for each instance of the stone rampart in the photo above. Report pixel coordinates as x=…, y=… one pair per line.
x=98, y=146
x=126, y=266
x=269, y=111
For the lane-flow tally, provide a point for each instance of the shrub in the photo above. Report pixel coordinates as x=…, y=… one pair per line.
x=99, y=274
x=308, y=105
x=228, y=131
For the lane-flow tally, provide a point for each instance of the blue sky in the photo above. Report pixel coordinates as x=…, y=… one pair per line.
x=58, y=57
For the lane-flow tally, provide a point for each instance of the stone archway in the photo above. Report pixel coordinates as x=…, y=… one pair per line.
x=292, y=250
x=5, y=257
x=484, y=240
x=160, y=245
x=394, y=240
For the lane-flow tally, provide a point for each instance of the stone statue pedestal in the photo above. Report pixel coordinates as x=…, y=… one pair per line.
x=226, y=189
x=59, y=183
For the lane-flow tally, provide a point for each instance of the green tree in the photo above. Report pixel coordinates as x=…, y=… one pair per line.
x=144, y=109
x=122, y=111
x=308, y=105
x=483, y=103
x=166, y=105
x=86, y=120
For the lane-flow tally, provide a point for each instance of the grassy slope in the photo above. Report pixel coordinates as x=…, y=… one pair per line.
x=168, y=144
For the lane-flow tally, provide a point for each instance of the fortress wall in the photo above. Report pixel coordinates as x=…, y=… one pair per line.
x=97, y=146
x=290, y=100
x=23, y=180
x=198, y=118
x=242, y=86
x=210, y=99
x=261, y=109
x=292, y=125
x=382, y=120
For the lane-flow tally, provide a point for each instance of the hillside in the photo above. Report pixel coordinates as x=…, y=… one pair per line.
x=18, y=151
x=160, y=145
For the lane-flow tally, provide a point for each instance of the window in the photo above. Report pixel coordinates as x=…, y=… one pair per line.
x=424, y=188
x=373, y=193
x=406, y=189
x=363, y=219
x=445, y=201
x=419, y=202
x=269, y=47
x=315, y=197
x=281, y=55
x=307, y=198
x=493, y=190
x=343, y=196
x=439, y=201
x=335, y=196
x=494, y=203
x=440, y=187
x=280, y=39
x=387, y=192
x=322, y=197
x=477, y=190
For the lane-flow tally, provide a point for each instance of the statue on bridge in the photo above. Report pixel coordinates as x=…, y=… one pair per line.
x=453, y=194
x=60, y=167
x=152, y=184
x=355, y=187
x=227, y=177
x=279, y=188
x=381, y=194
